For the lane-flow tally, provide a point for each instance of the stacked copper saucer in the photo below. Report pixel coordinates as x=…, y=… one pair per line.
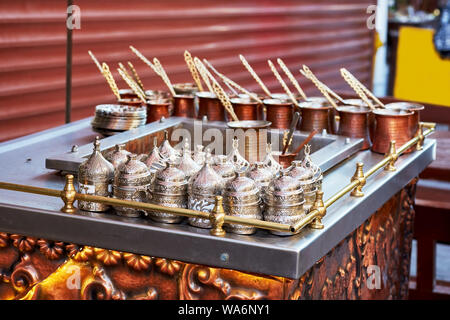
x=111, y=119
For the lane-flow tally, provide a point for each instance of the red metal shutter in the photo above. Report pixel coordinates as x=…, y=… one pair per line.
x=325, y=35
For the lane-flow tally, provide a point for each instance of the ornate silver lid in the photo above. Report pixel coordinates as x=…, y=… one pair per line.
x=165, y=149
x=207, y=182
x=299, y=172
x=284, y=191
x=241, y=199
x=187, y=164
x=309, y=165
x=117, y=156
x=170, y=181
x=306, y=178
x=235, y=157
x=260, y=174
x=142, y=157
x=224, y=168
x=132, y=173
x=241, y=187
x=270, y=162
x=284, y=185
x=199, y=155
x=96, y=167
x=154, y=160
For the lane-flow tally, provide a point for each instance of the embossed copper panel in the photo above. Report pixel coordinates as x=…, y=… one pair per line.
x=343, y=273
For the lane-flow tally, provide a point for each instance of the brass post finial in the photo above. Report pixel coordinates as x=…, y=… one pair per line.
x=217, y=218
x=394, y=156
x=68, y=195
x=359, y=175
x=320, y=207
x=97, y=143
x=419, y=145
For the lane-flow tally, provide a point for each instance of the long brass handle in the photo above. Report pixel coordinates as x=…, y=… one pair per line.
x=136, y=77
x=363, y=87
x=164, y=76
x=99, y=66
x=309, y=75
x=217, y=89
x=217, y=73
x=356, y=88
x=110, y=79
x=133, y=85
x=237, y=86
x=203, y=73
x=193, y=69
x=255, y=75
x=282, y=83
x=292, y=78
x=145, y=60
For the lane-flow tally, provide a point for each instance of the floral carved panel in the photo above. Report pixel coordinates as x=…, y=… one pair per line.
x=33, y=268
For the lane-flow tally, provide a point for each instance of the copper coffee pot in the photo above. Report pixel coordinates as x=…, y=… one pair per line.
x=255, y=142
x=354, y=123
x=210, y=106
x=134, y=102
x=284, y=159
x=363, y=104
x=156, y=109
x=157, y=94
x=184, y=106
x=260, y=106
x=279, y=113
x=284, y=97
x=128, y=94
x=371, y=116
x=391, y=125
x=315, y=117
x=185, y=88
x=246, y=109
x=414, y=120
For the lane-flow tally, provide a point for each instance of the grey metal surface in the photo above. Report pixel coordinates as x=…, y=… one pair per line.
x=326, y=150
x=69, y=161
x=23, y=161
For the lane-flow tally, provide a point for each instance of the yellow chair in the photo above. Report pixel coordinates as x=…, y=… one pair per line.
x=421, y=75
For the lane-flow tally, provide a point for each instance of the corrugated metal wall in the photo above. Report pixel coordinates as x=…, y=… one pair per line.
x=323, y=34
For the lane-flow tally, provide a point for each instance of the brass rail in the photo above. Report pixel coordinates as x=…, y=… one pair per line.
x=314, y=217
x=217, y=216
x=69, y=196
